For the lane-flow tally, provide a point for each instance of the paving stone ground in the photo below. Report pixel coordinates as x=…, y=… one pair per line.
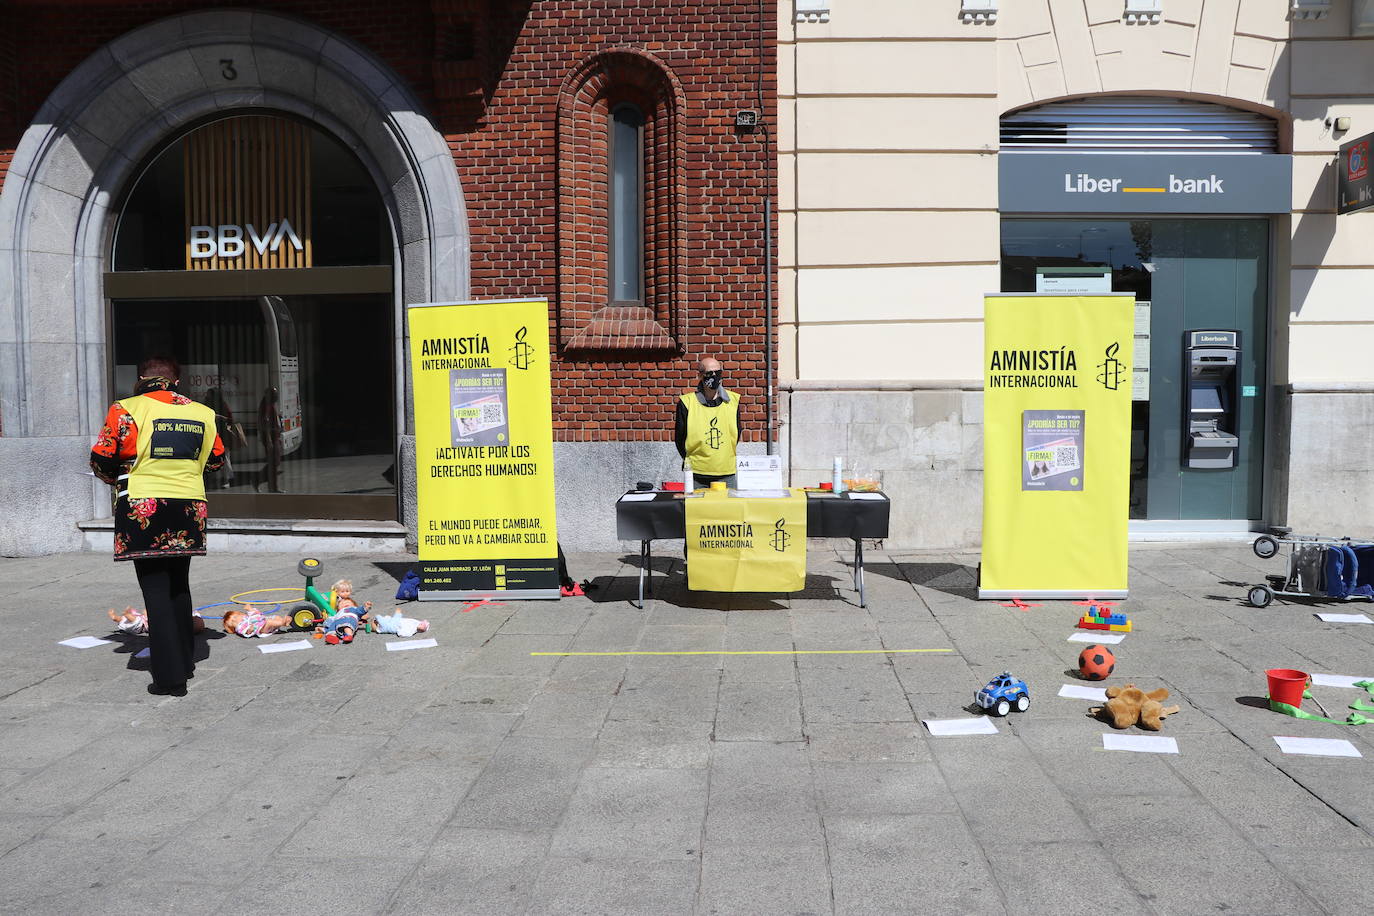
x=477, y=777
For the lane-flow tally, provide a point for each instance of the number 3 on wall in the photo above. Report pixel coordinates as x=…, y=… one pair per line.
x=226, y=69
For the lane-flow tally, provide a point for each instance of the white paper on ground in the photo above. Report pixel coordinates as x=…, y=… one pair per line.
x=84, y=642
x=1317, y=747
x=1074, y=692
x=1336, y=680
x=1146, y=744
x=411, y=644
x=853, y=495
x=1110, y=639
x=979, y=726
x=284, y=646
x=143, y=653
x=1344, y=618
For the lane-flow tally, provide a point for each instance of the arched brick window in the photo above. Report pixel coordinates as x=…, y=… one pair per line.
x=600, y=306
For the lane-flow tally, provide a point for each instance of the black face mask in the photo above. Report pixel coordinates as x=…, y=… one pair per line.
x=711, y=379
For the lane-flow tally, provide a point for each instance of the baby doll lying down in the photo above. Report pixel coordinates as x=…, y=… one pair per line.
x=135, y=622
x=252, y=622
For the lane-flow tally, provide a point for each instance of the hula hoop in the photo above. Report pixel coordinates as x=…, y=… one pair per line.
x=236, y=599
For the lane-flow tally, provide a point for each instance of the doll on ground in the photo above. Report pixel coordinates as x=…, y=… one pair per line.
x=135, y=622
x=341, y=626
x=251, y=622
x=399, y=625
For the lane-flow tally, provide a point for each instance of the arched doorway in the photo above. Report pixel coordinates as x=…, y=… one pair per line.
x=255, y=249
x=82, y=152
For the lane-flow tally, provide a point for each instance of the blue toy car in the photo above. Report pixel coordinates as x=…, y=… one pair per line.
x=1002, y=693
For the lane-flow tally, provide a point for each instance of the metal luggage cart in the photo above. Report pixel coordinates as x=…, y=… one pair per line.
x=1306, y=576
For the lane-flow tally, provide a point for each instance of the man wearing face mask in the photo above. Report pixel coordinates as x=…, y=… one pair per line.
x=707, y=427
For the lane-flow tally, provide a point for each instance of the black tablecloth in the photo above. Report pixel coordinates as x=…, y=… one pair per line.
x=665, y=517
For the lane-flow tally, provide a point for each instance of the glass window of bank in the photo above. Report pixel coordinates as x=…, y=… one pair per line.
x=256, y=250
x=1204, y=273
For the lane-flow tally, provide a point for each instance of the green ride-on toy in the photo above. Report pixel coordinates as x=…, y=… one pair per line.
x=310, y=613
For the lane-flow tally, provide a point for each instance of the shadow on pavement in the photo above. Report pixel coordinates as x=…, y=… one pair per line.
x=950, y=578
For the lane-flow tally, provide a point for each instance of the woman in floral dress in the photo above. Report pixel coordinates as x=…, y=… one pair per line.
x=159, y=509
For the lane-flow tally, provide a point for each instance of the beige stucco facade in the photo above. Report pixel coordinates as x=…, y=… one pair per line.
x=889, y=227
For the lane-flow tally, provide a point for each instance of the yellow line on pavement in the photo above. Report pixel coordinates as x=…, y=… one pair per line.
x=760, y=652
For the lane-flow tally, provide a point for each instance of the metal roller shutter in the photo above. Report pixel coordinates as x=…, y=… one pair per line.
x=1138, y=124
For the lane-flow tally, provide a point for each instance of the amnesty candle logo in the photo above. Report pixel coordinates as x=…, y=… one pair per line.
x=1112, y=372
x=713, y=435
x=521, y=350
x=780, y=538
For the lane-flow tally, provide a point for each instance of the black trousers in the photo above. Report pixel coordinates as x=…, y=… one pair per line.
x=166, y=588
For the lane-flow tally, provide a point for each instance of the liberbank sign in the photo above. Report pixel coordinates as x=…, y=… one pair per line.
x=1133, y=183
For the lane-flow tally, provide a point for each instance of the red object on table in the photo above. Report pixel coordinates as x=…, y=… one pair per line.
x=674, y=486
x=827, y=485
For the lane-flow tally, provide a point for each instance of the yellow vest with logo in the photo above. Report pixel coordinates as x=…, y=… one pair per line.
x=712, y=433
x=174, y=443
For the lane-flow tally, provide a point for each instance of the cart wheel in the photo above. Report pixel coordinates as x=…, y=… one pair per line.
x=1022, y=703
x=1260, y=595
x=1002, y=708
x=1265, y=547
x=303, y=616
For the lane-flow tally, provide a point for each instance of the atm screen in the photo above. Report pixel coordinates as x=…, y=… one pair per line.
x=1206, y=399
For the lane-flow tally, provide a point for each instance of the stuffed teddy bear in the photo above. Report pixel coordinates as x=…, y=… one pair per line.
x=1129, y=705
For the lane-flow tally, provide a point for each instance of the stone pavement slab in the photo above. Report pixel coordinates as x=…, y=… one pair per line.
x=477, y=777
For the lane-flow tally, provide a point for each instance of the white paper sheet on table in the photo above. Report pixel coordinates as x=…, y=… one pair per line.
x=979, y=726
x=84, y=642
x=1146, y=744
x=854, y=495
x=1344, y=618
x=760, y=494
x=1317, y=747
x=1074, y=692
x=284, y=646
x=411, y=644
x=637, y=497
x=1336, y=680
x=1110, y=639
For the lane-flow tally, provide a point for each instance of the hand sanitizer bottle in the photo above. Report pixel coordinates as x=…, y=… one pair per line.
x=837, y=475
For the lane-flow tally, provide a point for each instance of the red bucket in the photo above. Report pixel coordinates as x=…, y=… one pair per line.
x=1286, y=685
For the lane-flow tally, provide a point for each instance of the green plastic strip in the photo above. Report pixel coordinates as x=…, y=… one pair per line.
x=1353, y=719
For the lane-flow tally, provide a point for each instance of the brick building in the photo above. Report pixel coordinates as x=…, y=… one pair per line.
x=580, y=150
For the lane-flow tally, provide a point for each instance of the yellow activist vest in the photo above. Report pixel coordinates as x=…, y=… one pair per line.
x=174, y=442
x=712, y=433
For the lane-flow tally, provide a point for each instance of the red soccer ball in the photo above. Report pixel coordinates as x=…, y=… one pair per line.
x=1096, y=663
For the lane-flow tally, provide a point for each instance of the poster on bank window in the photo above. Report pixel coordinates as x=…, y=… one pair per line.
x=484, y=449
x=1056, y=444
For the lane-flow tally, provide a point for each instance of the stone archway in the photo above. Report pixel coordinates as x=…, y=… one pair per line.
x=81, y=151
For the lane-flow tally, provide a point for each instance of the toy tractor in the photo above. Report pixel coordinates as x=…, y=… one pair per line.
x=310, y=613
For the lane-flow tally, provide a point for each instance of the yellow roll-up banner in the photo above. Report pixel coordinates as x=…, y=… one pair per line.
x=484, y=449
x=1056, y=445
x=739, y=544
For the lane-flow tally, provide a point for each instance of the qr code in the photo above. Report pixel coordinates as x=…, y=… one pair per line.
x=1065, y=457
x=478, y=416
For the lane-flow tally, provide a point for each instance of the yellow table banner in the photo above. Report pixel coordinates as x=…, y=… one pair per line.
x=484, y=449
x=1056, y=445
x=741, y=544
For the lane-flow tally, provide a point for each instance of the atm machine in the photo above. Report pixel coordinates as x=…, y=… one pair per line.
x=1211, y=411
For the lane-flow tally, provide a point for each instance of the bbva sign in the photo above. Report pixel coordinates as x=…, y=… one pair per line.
x=229, y=242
